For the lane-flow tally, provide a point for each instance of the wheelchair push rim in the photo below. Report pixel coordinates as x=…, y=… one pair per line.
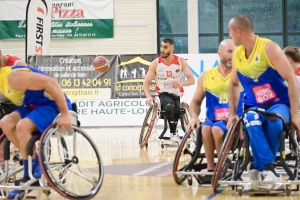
x=185, y=149
x=76, y=171
x=147, y=127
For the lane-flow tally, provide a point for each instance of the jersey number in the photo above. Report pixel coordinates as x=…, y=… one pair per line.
x=223, y=98
x=169, y=74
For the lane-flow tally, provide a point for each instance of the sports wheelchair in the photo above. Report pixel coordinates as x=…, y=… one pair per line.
x=69, y=159
x=235, y=156
x=149, y=132
x=190, y=160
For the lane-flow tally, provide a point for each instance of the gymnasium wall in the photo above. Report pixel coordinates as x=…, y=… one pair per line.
x=135, y=32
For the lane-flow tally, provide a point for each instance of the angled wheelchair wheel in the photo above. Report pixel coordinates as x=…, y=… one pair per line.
x=224, y=163
x=183, y=156
x=147, y=127
x=73, y=167
x=14, y=162
x=187, y=117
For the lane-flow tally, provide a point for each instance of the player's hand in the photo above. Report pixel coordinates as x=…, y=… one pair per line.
x=65, y=121
x=150, y=101
x=231, y=119
x=194, y=123
x=295, y=120
x=176, y=84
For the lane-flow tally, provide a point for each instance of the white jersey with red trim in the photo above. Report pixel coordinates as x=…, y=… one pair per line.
x=167, y=73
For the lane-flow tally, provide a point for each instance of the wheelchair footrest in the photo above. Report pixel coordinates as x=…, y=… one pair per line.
x=206, y=179
x=22, y=180
x=164, y=138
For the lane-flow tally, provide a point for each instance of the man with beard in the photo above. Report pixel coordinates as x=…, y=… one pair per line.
x=213, y=84
x=167, y=71
x=268, y=79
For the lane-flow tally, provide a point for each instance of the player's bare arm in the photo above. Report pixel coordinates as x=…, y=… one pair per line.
x=284, y=68
x=148, y=79
x=20, y=80
x=190, y=80
x=233, y=95
x=195, y=105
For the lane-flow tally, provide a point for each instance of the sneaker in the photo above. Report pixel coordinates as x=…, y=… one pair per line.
x=254, y=174
x=173, y=136
x=271, y=177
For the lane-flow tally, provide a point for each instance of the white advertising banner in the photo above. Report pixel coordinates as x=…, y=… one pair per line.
x=38, y=18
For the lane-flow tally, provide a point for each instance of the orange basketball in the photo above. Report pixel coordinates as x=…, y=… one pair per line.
x=101, y=64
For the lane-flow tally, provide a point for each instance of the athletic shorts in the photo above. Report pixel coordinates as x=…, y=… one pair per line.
x=42, y=116
x=220, y=124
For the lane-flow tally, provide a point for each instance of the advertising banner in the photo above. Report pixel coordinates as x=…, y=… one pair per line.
x=70, y=19
x=115, y=97
x=129, y=76
x=38, y=18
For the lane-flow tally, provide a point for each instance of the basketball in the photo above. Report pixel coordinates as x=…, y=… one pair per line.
x=101, y=64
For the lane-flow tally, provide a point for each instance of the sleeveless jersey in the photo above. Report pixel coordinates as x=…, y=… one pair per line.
x=28, y=98
x=10, y=62
x=216, y=92
x=262, y=83
x=167, y=73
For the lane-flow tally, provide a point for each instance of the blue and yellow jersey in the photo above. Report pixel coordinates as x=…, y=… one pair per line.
x=262, y=83
x=32, y=98
x=216, y=92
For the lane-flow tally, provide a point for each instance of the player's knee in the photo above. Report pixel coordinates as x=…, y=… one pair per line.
x=278, y=125
x=22, y=129
x=170, y=109
x=7, y=124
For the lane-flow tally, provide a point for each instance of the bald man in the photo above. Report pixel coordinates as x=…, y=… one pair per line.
x=213, y=84
x=263, y=70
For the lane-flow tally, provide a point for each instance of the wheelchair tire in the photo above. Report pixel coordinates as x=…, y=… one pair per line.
x=223, y=161
x=74, y=168
x=187, y=117
x=186, y=147
x=147, y=127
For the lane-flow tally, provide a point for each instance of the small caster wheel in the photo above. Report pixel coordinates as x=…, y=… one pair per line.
x=233, y=187
x=240, y=192
x=288, y=192
x=162, y=146
x=20, y=196
x=146, y=145
x=47, y=192
x=190, y=181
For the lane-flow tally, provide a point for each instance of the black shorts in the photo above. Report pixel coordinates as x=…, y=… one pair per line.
x=166, y=98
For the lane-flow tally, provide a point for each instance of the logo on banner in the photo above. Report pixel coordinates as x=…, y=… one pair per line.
x=40, y=29
x=66, y=10
x=130, y=77
x=133, y=71
x=264, y=93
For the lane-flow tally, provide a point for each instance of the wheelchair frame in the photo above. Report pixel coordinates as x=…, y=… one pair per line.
x=191, y=145
x=235, y=157
x=150, y=121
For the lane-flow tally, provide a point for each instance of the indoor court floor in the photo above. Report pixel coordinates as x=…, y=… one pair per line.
x=132, y=173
